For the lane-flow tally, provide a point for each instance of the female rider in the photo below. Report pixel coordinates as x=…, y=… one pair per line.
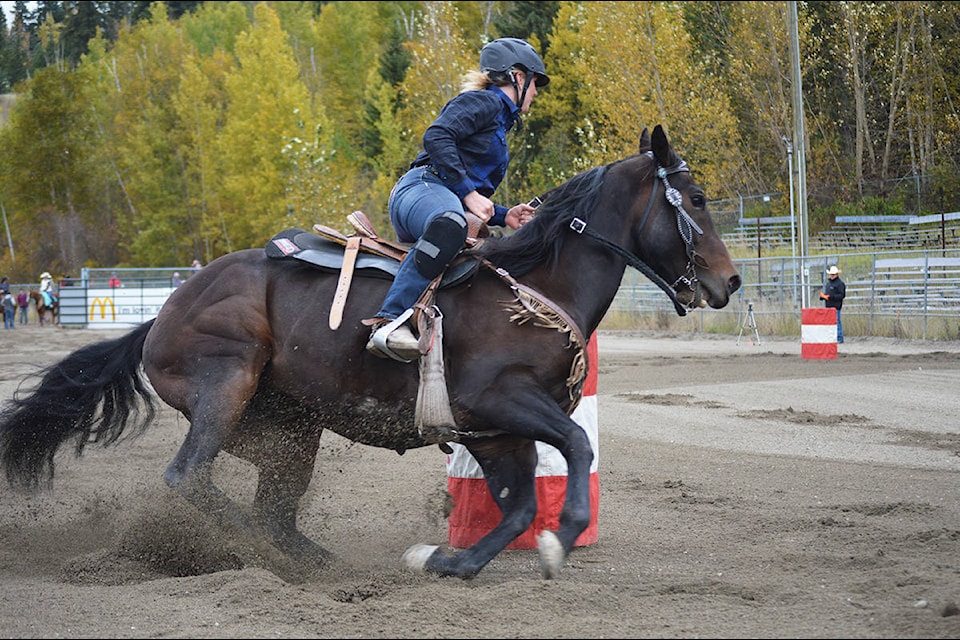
x=465, y=158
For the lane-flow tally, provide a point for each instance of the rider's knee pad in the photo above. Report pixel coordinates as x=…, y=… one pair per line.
x=442, y=240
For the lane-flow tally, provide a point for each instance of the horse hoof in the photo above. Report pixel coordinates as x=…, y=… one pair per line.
x=551, y=554
x=416, y=556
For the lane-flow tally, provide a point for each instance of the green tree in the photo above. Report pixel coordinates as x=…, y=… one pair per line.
x=16, y=62
x=49, y=175
x=625, y=66
x=259, y=125
x=524, y=18
x=745, y=45
x=81, y=25
x=200, y=103
x=531, y=148
x=143, y=78
x=215, y=26
x=5, y=54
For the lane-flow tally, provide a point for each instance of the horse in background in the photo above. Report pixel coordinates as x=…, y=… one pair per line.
x=43, y=309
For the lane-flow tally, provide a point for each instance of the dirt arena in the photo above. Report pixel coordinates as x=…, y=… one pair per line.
x=745, y=492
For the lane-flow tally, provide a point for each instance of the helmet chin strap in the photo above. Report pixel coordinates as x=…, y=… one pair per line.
x=521, y=94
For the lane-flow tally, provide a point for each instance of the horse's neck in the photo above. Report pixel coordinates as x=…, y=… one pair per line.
x=583, y=282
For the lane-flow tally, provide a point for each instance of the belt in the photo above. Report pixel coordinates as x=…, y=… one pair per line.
x=430, y=168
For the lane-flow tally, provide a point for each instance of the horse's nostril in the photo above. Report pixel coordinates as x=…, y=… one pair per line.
x=733, y=283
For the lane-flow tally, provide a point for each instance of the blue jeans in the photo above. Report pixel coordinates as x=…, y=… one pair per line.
x=23, y=315
x=8, y=319
x=839, y=327
x=417, y=198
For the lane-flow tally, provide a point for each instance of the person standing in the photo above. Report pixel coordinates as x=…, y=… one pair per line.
x=23, y=302
x=834, y=291
x=9, y=311
x=176, y=280
x=464, y=160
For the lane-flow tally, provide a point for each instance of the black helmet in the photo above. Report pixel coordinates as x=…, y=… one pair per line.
x=504, y=53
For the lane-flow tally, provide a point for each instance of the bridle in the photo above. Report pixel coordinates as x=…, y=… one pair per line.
x=686, y=225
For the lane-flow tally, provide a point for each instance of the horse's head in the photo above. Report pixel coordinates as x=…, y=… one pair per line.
x=646, y=210
x=672, y=231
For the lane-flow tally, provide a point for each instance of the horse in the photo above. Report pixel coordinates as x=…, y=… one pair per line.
x=43, y=309
x=242, y=351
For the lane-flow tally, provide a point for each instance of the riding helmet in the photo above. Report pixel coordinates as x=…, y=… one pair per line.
x=504, y=53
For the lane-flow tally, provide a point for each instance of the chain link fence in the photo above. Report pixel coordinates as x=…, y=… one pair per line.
x=902, y=294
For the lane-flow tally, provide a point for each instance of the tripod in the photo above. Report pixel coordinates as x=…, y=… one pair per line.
x=749, y=322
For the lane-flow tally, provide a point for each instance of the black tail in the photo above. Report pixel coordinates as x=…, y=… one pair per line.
x=91, y=395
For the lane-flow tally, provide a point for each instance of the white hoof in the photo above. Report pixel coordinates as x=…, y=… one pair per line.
x=551, y=554
x=416, y=556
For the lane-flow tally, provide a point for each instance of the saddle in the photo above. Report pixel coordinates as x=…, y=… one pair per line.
x=363, y=253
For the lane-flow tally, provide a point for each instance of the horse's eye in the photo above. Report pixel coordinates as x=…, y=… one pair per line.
x=698, y=200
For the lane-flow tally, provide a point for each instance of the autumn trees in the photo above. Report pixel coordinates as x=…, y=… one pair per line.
x=182, y=130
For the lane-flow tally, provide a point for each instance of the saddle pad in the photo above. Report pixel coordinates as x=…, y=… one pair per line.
x=326, y=254
x=306, y=246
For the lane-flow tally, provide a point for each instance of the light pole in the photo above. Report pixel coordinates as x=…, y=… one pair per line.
x=799, y=136
x=793, y=233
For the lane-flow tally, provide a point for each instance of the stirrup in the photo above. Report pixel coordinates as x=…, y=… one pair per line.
x=379, y=337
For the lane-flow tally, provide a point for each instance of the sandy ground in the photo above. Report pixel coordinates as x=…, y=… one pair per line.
x=745, y=492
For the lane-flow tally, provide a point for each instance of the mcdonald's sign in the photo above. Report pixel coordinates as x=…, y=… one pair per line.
x=102, y=304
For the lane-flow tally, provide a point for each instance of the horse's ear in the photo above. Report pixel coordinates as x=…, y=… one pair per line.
x=645, y=140
x=661, y=148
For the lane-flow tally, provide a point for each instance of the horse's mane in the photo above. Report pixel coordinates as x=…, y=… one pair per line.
x=540, y=239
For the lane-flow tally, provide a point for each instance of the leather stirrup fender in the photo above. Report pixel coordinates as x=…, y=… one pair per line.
x=343, y=284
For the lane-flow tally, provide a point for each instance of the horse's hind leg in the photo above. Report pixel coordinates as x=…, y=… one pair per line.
x=190, y=474
x=214, y=415
x=282, y=444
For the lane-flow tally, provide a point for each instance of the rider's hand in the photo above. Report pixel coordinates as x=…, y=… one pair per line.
x=479, y=205
x=520, y=215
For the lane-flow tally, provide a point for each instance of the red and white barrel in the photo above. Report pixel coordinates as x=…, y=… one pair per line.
x=818, y=333
x=475, y=513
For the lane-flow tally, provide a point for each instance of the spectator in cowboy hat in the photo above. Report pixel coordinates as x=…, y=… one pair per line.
x=834, y=291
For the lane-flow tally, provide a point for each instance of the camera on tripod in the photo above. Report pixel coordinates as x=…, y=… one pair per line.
x=749, y=322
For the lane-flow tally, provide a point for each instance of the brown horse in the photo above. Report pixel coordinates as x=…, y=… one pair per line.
x=242, y=349
x=43, y=309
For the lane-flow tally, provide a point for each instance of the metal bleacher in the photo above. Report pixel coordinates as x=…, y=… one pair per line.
x=851, y=232
x=891, y=232
x=766, y=230
x=908, y=283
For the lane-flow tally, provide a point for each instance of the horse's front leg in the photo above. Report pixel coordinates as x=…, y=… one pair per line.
x=533, y=415
x=570, y=439
x=509, y=469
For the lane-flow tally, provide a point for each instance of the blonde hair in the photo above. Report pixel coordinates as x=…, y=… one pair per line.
x=480, y=80
x=474, y=81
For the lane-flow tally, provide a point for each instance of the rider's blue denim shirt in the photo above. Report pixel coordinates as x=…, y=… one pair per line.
x=467, y=144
